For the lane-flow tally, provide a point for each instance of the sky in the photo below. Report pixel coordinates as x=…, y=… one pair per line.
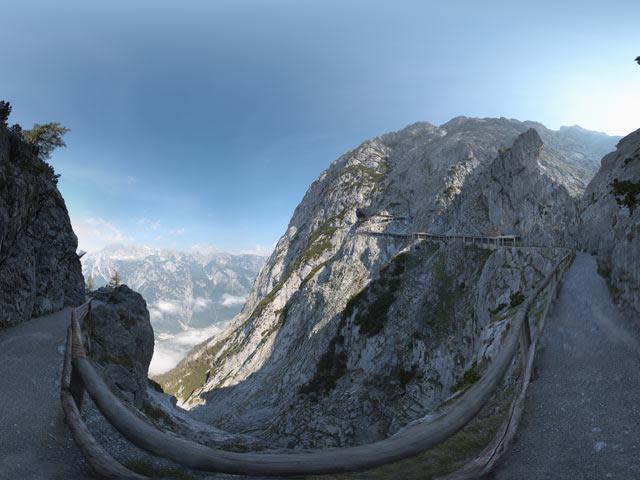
x=204, y=122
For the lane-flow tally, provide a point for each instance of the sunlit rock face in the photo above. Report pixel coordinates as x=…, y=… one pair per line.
x=39, y=269
x=610, y=222
x=346, y=337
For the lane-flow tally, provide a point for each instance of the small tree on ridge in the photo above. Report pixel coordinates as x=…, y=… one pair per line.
x=47, y=137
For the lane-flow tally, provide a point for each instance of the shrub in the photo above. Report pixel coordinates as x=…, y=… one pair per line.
x=626, y=193
x=516, y=299
x=115, y=281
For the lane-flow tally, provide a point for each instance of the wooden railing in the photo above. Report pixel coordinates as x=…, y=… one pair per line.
x=71, y=393
x=79, y=374
x=492, y=453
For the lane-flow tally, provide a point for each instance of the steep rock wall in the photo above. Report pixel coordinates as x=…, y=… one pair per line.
x=610, y=224
x=39, y=269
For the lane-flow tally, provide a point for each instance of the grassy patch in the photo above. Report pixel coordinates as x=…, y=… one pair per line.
x=144, y=467
x=443, y=285
x=282, y=318
x=318, y=243
x=405, y=377
x=450, y=454
x=605, y=273
x=190, y=374
x=312, y=273
x=495, y=311
x=516, y=299
x=331, y=367
x=122, y=360
x=372, y=304
x=156, y=414
x=470, y=376
x=364, y=174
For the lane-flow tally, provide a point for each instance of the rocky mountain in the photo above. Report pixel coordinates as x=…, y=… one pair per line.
x=190, y=295
x=39, y=269
x=347, y=334
x=610, y=222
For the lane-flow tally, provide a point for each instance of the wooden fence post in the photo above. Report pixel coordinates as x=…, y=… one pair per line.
x=76, y=387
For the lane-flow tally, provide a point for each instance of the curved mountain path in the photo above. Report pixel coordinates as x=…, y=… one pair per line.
x=582, y=413
x=35, y=443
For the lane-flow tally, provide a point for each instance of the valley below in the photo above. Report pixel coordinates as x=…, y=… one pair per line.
x=191, y=296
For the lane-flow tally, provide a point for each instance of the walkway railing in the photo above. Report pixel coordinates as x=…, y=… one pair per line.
x=492, y=453
x=480, y=240
x=79, y=374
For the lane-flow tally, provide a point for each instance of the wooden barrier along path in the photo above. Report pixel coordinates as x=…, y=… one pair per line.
x=410, y=441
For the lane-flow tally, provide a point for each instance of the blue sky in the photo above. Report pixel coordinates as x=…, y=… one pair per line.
x=204, y=122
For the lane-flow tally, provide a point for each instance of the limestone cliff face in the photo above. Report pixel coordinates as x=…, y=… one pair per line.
x=347, y=336
x=518, y=194
x=610, y=224
x=39, y=269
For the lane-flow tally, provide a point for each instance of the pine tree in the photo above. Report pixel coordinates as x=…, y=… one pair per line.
x=89, y=283
x=115, y=280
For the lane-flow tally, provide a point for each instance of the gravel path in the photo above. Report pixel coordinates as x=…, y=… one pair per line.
x=582, y=414
x=35, y=443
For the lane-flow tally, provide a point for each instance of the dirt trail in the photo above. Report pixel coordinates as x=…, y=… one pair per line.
x=34, y=441
x=582, y=416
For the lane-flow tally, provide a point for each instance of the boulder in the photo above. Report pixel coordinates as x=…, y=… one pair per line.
x=120, y=339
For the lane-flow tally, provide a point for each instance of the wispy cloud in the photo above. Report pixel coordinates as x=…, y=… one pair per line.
x=208, y=249
x=229, y=300
x=95, y=233
x=148, y=223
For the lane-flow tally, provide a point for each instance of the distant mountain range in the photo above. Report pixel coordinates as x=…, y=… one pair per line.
x=190, y=295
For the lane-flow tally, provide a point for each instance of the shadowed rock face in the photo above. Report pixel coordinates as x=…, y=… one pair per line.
x=120, y=340
x=611, y=222
x=39, y=269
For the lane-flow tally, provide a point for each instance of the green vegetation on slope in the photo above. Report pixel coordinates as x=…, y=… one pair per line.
x=318, y=243
x=626, y=193
x=605, y=273
x=145, y=467
x=471, y=376
x=371, y=305
x=443, y=286
x=331, y=367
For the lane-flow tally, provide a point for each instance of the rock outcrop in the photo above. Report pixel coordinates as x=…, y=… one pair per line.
x=517, y=194
x=611, y=222
x=120, y=339
x=348, y=336
x=39, y=269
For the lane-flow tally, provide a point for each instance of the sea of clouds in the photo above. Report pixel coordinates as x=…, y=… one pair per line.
x=170, y=349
